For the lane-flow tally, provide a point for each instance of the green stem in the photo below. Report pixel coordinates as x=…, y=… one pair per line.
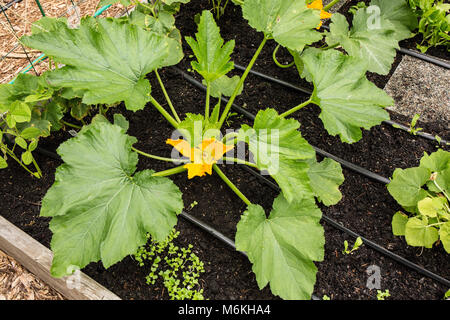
x=161, y=84
x=12, y=155
x=70, y=124
x=330, y=5
x=37, y=167
x=157, y=157
x=239, y=161
x=231, y=185
x=208, y=96
x=331, y=47
x=229, y=135
x=241, y=82
x=164, y=113
x=290, y=111
x=169, y=172
x=442, y=190
x=279, y=64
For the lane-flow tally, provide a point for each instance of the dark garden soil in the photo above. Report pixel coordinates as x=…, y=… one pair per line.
x=366, y=207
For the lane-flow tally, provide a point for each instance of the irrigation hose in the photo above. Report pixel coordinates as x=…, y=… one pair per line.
x=309, y=92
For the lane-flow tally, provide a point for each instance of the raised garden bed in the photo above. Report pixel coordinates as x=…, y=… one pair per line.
x=366, y=207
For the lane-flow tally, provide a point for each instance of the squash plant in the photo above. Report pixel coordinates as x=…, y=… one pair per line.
x=424, y=192
x=108, y=207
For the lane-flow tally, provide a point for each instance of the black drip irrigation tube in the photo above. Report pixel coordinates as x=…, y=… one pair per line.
x=422, y=56
x=332, y=222
x=309, y=92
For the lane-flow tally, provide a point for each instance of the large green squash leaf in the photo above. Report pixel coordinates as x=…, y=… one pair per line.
x=374, y=45
x=398, y=16
x=101, y=208
x=108, y=59
x=279, y=148
x=291, y=23
x=283, y=247
x=325, y=178
x=348, y=100
x=213, y=57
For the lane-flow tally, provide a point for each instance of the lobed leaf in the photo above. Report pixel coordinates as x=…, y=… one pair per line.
x=106, y=58
x=374, y=45
x=213, y=56
x=348, y=100
x=283, y=247
x=279, y=148
x=108, y=208
x=290, y=22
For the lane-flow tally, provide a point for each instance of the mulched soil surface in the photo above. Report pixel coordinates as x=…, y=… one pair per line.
x=366, y=207
x=16, y=283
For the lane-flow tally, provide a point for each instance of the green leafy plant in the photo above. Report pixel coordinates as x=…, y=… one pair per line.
x=382, y=295
x=434, y=23
x=179, y=268
x=355, y=247
x=424, y=193
x=447, y=295
x=109, y=207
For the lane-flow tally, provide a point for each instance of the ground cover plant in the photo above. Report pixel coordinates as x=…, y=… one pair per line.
x=110, y=208
x=423, y=192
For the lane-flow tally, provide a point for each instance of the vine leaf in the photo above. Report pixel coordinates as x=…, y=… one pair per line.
x=279, y=148
x=325, y=178
x=283, y=247
x=290, y=22
x=377, y=46
x=348, y=100
x=106, y=58
x=213, y=56
x=108, y=208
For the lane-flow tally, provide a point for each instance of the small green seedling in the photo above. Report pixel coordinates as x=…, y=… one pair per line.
x=447, y=295
x=356, y=246
x=325, y=297
x=192, y=205
x=179, y=268
x=412, y=127
x=382, y=295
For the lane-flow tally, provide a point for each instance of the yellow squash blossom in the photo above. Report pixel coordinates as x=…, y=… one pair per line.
x=317, y=4
x=202, y=157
